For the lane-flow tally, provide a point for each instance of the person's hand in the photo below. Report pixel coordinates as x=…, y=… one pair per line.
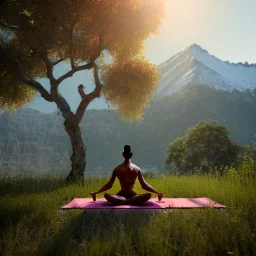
x=160, y=196
x=93, y=195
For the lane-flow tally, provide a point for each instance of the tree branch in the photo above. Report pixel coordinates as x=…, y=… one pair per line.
x=81, y=109
x=38, y=87
x=97, y=80
x=87, y=98
x=97, y=53
x=90, y=65
x=81, y=91
x=71, y=45
x=49, y=67
x=12, y=27
x=24, y=78
x=62, y=104
x=31, y=82
x=58, y=61
x=47, y=61
x=74, y=70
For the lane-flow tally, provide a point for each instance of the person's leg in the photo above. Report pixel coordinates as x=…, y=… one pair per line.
x=115, y=199
x=138, y=199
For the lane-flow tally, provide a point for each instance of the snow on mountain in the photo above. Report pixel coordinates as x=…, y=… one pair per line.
x=194, y=65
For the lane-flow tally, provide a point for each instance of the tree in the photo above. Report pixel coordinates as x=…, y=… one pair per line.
x=36, y=35
x=207, y=144
x=248, y=155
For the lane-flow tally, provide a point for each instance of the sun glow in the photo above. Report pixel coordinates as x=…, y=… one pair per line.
x=184, y=19
x=185, y=14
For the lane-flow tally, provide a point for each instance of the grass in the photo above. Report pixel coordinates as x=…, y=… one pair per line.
x=32, y=223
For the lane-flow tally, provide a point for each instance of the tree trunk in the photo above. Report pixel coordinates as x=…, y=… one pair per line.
x=78, y=161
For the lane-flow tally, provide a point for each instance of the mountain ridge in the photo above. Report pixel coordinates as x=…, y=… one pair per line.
x=195, y=45
x=194, y=65
x=186, y=70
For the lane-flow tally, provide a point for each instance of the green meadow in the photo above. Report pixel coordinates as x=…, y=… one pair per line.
x=32, y=223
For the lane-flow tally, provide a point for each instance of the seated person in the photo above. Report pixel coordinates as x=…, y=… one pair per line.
x=127, y=173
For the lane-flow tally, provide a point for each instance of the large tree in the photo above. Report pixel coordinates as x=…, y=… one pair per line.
x=36, y=35
x=207, y=144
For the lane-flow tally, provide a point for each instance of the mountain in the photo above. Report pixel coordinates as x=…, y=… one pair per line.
x=30, y=140
x=194, y=65
x=196, y=85
x=191, y=66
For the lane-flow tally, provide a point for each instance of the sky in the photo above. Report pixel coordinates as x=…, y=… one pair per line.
x=225, y=28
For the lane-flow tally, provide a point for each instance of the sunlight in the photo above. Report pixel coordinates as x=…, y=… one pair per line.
x=185, y=20
x=129, y=138
x=183, y=14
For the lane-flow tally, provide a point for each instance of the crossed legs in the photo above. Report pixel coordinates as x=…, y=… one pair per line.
x=134, y=200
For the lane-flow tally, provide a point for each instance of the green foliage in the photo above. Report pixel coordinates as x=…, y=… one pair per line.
x=32, y=140
x=129, y=86
x=206, y=144
x=33, y=224
x=43, y=31
x=248, y=155
x=14, y=94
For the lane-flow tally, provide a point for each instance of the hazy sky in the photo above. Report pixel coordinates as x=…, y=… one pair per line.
x=226, y=28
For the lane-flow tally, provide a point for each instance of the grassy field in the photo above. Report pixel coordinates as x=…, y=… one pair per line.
x=32, y=223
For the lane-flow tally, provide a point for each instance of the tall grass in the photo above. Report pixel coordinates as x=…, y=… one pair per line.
x=32, y=223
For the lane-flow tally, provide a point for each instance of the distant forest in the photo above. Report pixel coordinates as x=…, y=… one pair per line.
x=30, y=140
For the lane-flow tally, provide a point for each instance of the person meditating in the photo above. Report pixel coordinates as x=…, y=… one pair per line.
x=127, y=173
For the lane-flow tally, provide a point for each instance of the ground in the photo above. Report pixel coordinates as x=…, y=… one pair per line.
x=33, y=224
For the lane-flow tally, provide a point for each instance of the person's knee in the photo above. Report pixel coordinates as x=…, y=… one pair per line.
x=148, y=195
x=106, y=195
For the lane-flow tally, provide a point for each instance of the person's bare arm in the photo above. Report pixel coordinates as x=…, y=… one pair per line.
x=105, y=187
x=147, y=187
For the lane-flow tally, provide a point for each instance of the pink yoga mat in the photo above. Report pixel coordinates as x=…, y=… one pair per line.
x=101, y=203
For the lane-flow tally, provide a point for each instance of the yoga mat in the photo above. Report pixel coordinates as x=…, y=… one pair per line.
x=153, y=203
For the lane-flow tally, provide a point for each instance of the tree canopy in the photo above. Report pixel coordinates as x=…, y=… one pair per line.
x=207, y=144
x=37, y=35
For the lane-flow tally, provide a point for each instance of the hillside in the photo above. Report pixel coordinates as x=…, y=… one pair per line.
x=32, y=140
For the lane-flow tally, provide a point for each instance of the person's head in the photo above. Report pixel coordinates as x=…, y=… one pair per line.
x=127, y=154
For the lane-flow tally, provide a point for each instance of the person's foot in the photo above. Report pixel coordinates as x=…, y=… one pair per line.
x=160, y=196
x=93, y=195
